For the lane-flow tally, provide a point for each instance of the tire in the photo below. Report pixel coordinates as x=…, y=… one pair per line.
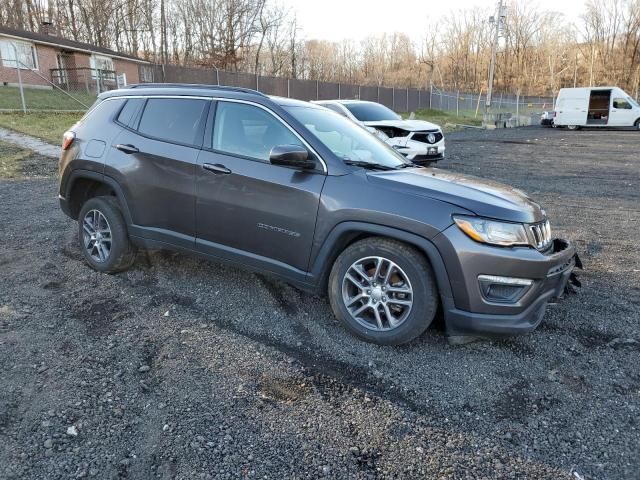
x=410, y=271
x=105, y=252
x=573, y=127
x=637, y=124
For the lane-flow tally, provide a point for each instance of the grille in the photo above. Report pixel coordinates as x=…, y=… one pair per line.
x=540, y=234
x=422, y=136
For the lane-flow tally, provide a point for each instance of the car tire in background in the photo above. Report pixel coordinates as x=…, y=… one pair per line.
x=103, y=238
x=387, y=276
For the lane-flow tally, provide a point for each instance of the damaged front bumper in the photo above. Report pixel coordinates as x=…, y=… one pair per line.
x=502, y=290
x=422, y=154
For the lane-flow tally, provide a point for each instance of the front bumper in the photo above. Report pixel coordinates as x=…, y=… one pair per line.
x=426, y=159
x=418, y=152
x=469, y=312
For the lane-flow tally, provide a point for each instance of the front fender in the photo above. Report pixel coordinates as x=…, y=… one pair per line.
x=342, y=234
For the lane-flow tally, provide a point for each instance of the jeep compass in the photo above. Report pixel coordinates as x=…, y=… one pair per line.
x=297, y=191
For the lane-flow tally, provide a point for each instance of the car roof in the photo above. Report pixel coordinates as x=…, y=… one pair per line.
x=291, y=102
x=184, y=89
x=344, y=101
x=151, y=89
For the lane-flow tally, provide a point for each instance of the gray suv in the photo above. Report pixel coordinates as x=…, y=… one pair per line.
x=294, y=190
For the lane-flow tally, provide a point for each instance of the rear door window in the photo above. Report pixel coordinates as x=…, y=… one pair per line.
x=175, y=120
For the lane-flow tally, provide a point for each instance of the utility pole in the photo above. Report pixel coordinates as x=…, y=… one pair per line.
x=494, y=49
x=163, y=33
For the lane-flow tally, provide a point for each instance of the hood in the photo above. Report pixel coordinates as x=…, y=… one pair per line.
x=485, y=198
x=409, y=125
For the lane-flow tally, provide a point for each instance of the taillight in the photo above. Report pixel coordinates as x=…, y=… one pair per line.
x=554, y=114
x=67, y=139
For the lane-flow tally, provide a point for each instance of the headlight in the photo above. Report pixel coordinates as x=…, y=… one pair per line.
x=493, y=232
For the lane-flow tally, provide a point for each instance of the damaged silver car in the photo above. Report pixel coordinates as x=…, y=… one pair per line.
x=419, y=141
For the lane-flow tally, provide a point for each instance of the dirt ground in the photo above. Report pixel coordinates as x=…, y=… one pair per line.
x=181, y=368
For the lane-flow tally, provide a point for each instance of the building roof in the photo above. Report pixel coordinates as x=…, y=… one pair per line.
x=64, y=43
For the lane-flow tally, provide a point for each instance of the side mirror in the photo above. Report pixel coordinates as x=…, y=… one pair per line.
x=293, y=156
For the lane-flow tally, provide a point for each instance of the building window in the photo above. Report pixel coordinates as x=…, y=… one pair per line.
x=146, y=74
x=99, y=62
x=22, y=56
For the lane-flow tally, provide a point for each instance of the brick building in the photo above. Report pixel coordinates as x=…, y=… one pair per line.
x=45, y=59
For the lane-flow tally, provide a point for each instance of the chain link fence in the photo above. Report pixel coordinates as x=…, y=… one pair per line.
x=75, y=89
x=26, y=89
x=473, y=104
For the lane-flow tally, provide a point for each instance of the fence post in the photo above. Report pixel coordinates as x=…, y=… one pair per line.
x=419, y=104
x=518, y=108
x=378, y=94
x=339, y=96
x=478, y=105
x=359, y=92
x=24, y=105
x=288, y=88
x=408, y=99
x=257, y=84
x=393, y=98
x=458, y=103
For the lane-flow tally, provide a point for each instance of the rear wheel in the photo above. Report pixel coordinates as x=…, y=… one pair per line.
x=573, y=127
x=103, y=238
x=383, y=291
x=637, y=124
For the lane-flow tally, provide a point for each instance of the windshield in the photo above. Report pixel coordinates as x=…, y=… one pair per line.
x=633, y=102
x=344, y=138
x=371, y=112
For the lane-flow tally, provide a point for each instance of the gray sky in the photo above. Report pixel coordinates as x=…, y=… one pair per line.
x=356, y=19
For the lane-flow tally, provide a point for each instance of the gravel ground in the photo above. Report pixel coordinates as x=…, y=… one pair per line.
x=181, y=368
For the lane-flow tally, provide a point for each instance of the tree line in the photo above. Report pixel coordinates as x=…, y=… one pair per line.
x=539, y=50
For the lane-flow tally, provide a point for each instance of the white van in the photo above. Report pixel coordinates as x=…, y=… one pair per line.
x=596, y=107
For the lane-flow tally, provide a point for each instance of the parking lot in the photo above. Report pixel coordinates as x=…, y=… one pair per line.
x=181, y=368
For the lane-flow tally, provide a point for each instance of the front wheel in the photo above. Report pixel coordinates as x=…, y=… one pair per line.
x=637, y=124
x=383, y=291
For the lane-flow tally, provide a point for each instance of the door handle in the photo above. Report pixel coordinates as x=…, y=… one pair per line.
x=127, y=148
x=216, y=168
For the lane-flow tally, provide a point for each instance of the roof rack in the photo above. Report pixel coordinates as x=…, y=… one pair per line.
x=198, y=86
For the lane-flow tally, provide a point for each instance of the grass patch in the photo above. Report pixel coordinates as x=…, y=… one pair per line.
x=47, y=126
x=11, y=158
x=442, y=118
x=44, y=99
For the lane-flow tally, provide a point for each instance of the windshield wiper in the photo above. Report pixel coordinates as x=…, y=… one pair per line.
x=369, y=165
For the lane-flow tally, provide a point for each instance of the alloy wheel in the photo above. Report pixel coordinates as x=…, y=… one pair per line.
x=96, y=234
x=377, y=293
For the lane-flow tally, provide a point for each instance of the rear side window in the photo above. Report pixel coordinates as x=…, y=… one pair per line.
x=172, y=119
x=129, y=112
